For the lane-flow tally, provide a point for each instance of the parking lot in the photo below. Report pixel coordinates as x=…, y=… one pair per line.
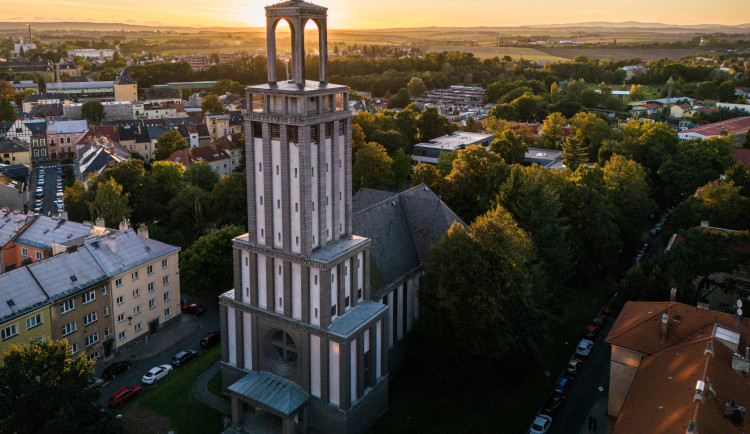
x=47, y=197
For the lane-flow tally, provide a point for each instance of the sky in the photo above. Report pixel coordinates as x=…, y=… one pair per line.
x=378, y=14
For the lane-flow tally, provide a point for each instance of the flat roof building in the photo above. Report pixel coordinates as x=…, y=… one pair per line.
x=429, y=152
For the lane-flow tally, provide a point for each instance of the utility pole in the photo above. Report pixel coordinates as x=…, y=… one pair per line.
x=30, y=41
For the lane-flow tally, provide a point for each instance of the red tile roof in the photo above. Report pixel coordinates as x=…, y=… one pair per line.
x=742, y=155
x=736, y=126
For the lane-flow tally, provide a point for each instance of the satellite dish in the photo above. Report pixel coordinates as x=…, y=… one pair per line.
x=739, y=303
x=739, y=312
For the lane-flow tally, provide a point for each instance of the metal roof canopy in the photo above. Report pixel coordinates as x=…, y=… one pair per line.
x=274, y=394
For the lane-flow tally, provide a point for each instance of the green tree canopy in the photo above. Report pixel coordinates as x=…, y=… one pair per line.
x=230, y=196
x=169, y=177
x=416, y=87
x=630, y=194
x=201, y=175
x=372, y=167
x=552, y=129
x=510, y=146
x=401, y=99
x=8, y=113
x=75, y=202
x=168, y=143
x=432, y=125
x=211, y=104
x=206, y=267
x=573, y=153
x=93, y=111
x=110, y=204
x=44, y=389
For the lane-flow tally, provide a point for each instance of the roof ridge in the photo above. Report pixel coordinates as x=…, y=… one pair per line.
x=669, y=303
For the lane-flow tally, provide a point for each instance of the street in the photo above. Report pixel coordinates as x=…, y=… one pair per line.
x=50, y=188
x=209, y=322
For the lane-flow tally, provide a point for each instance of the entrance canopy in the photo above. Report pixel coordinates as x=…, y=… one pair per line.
x=273, y=394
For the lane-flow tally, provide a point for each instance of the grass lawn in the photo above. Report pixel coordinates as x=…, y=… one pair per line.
x=214, y=385
x=415, y=405
x=173, y=397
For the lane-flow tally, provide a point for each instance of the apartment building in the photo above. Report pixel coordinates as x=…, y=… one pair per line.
x=24, y=310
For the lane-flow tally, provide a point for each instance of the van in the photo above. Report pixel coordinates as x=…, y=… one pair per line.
x=210, y=339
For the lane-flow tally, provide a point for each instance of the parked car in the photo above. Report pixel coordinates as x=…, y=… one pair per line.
x=157, y=373
x=123, y=395
x=115, y=368
x=605, y=310
x=574, y=365
x=210, y=339
x=553, y=402
x=653, y=232
x=94, y=382
x=193, y=309
x=563, y=382
x=541, y=424
x=584, y=347
x=591, y=331
x=600, y=320
x=183, y=357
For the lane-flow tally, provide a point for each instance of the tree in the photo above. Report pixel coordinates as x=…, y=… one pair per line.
x=416, y=87
x=93, y=111
x=432, y=125
x=44, y=389
x=503, y=111
x=7, y=91
x=371, y=167
x=573, y=154
x=211, y=104
x=510, y=146
x=746, y=141
x=110, y=204
x=554, y=92
x=230, y=195
x=206, y=267
x=637, y=93
x=75, y=202
x=8, y=113
x=168, y=143
x=20, y=96
x=552, y=126
x=695, y=163
x=228, y=86
x=590, y=131
x=169, y=178
x=428, y=175
x=201, y=175
x=720, y=203
x=401, y=99
x=401, y=166
x=471, y=125
x=629, y=192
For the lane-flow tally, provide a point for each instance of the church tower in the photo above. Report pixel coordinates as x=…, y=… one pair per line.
x=301, y=338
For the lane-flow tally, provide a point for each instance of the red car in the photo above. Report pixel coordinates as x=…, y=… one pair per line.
x=193, y=309
x=210, y=339
x=599, y=320
x=591, y=331
x=123, y=395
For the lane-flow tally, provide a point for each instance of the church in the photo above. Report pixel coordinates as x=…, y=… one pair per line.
x=323, y=293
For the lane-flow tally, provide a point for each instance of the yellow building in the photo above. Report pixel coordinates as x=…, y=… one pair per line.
x=14, y=151
x=126, y=88
x=24, y=310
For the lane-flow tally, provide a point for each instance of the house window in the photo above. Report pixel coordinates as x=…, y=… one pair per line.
x=151, y=287
x=120, y=300
x=104, y=290
x=121, y=317
x=24, y=252
x=106, y=310
x=138, y=327
x=167, y=313
x=166, y=296
x=90, y=318
x=68, y=328
x=164, y=263
x=118, y=282
x=134, y=275
x=92, y=339
x=67, y=306
x=106, y=332
x=38, y=256
x=165, y=280
x=152, y=303
x=93, y=356
x=74, y=348
x=136, y=292
x=9, y=332
x=137, y=310
x=150, y=270
x=333, y=311
x=121, y=336
x=33, y=321
x=89, y=297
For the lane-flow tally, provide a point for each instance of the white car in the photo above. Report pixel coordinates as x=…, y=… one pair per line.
x=156, y=374
x=541, y=424
x=584, y=347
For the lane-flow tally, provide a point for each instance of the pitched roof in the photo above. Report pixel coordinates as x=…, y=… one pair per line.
x=37, y=127
x=130, y=251
x=736, y=126
x=401, y=229
x=47, y=110
x=197, y=154
x=366, y=197
x=638, y=326
x=35, y=97
x=19, y=294
x=46, y=231
x=125, y=78
x=68, y=127
x=662, y=396
x=152, y=93
x=10, y=224
x=108, y=131
x=13, y=145
x=742, y=155
x=67, y=273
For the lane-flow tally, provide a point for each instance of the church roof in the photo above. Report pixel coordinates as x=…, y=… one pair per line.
x=275, y=394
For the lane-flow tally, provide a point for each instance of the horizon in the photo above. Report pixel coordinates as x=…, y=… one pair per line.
x=419, y=13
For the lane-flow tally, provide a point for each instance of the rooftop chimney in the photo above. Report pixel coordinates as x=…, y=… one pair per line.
x=664, y=325
x=143, y=231
x=124, y=225
x=112, y=243
x=20, y=223
x=704, y=224
x=99, y=222
x=673, y=294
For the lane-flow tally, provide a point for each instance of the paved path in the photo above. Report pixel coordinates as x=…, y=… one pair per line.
x=200, y=390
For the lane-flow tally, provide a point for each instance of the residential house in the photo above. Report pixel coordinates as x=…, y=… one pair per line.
x=632, y=71
x=144, y=283
x=161, y=95
x=728, y=106
x=11, y=223
x=12, y=194
x=14, y=151
x=38, y=140
x=48, y=112
x=99, y=154
x=737, y=126
x=37, y=99
x=113, y=110
x=18, y=129
x=679, y=110
x=223, y=156
x=24, y=310
x=678, y=368
x=62, y=137
x=222, y=124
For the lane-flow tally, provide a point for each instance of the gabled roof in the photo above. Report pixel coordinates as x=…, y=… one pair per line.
x=47, y=110
x=638, y=327
x=37, y=127
x=10, y=224
x=95, y=131
x=228, y=142
x=12, y=145
x=197, y=154
x=19, y=294
x=153, y=93
x=366, y=197
x=46, y=231
x=125, y=78
x=130, y=251
x=68, y=127
x=66, y=273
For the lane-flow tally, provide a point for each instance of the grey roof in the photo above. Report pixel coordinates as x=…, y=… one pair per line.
x=66, y=273
x=69, y=85
x=336, y=248
x=45, y=96
x=12, y=145
x=46, y=231
x=150, y=93
x=275, y=394
x=8, y=226
x=130, y=251
x=19, y=294
x=125, y=78
x=37, y=127
x=293, y=87
x=401, y=230
x=356, y=317
x=68, y=127
x=366, y=197
x=542, y=157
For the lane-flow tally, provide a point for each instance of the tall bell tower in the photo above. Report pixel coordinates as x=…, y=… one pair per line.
x=301, y=339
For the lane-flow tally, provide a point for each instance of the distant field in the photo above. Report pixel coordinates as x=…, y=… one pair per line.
x=490, y=52
x=621, y=53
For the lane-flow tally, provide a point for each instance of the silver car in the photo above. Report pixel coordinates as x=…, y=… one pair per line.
x=156, y=374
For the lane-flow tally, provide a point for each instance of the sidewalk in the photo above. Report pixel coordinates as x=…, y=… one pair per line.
x=200, y=390
x=161, y=341
x=599, y=413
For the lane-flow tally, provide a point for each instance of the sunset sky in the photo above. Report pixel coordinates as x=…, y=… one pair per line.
x=345, y=14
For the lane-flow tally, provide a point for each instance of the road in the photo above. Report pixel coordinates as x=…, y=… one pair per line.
x=585, y=389
x=209, y=323
x=50, y=188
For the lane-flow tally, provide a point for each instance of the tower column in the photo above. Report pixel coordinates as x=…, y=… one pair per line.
x=298, y=51
x=271, y=48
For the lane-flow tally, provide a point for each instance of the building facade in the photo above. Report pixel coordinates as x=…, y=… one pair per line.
x=301, y=337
